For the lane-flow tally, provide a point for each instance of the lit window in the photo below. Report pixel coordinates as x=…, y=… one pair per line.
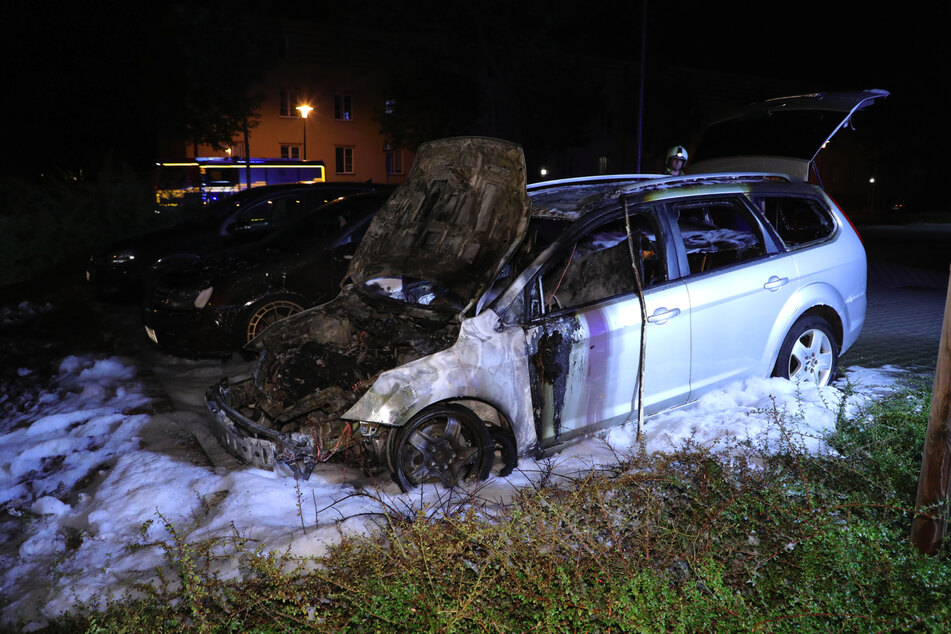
x=344, y=163
x=343, y=108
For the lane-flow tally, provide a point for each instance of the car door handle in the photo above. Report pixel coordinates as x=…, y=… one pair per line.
x=663, y=315
x=775, y=283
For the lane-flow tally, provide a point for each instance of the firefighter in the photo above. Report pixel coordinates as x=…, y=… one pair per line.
x=676, y=159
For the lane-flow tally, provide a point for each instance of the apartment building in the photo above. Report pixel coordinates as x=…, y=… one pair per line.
x=322, y=103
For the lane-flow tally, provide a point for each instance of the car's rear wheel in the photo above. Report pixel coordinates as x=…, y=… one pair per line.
x=266, y=313
x=446, y=444
x=809, y=353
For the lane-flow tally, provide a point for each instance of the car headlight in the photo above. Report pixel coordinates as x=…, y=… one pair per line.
x=122, y=257
x=182, y=298
x=202, y=300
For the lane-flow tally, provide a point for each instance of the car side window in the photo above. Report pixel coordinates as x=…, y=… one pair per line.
x=717, y=233
x=347, y=244
x=598, y=265
x=275, y=211
x=286, y=208
x=797, y=220
x=311, y=230
x=257, y=214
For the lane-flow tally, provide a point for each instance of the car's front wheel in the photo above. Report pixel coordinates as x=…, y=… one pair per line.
x=809, y=353
x=445, y=443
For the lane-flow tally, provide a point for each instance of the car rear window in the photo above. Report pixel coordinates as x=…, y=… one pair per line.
x=717, y=233
x=797, y=220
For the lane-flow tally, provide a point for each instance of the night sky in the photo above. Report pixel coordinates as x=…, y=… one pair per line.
x=70, y=65
x=903, y=48
x=828, y=42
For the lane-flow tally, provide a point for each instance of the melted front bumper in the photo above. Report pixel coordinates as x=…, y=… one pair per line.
x=251, y=442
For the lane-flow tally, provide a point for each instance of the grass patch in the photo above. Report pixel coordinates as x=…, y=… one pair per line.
x=695, y=540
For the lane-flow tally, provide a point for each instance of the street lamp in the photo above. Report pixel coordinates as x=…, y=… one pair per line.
x=304, y=111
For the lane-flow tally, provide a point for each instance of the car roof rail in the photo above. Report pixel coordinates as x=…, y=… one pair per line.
x=650, y=180
x=570, y=197
x=723, y=178
x=593, y=180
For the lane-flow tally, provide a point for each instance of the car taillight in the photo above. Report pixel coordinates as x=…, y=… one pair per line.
x=847, y=219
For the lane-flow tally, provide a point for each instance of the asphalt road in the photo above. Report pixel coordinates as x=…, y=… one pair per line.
x=907, y=290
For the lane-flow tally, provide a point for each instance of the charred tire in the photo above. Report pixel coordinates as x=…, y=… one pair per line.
x=446, y=443
x=809, y=352
x=265, y=313
x=506, y=454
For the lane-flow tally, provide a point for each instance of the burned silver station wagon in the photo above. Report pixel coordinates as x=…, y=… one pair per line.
x=485, y=319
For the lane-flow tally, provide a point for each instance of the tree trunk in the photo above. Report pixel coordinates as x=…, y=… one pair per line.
x=928, y=528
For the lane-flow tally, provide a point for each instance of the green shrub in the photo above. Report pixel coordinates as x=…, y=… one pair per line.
x=59, y=219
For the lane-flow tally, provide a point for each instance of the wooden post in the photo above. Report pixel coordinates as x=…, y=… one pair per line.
x=933, y=483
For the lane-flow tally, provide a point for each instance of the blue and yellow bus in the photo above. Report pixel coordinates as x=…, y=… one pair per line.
x=204, y=180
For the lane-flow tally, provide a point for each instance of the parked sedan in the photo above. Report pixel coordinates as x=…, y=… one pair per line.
x=487, y=320
x=118, y=271
x=214, y=305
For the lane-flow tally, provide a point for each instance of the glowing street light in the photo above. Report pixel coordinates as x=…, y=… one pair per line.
x=304, y=111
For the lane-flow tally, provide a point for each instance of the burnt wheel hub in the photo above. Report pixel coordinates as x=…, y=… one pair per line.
x=441, y=454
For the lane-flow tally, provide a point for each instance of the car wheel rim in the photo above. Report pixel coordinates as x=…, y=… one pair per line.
x=269, y=313
x=812, y=357
x=445, y=446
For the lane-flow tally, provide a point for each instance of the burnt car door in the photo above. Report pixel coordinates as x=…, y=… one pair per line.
x=739, y=283
x=583, y=327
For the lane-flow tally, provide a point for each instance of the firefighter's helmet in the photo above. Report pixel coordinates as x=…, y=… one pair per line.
x=678, y=151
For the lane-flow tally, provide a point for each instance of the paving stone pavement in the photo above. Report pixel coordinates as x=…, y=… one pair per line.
x=903, y=319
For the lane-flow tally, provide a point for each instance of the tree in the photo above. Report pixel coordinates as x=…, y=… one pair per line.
x=213, y=53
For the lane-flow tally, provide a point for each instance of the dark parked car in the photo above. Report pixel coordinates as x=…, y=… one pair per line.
x=214, y=305
x=119, y=270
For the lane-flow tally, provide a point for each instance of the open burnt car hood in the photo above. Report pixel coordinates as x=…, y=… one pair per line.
x=781, y=135
x=454, y=222
x=450, y=227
